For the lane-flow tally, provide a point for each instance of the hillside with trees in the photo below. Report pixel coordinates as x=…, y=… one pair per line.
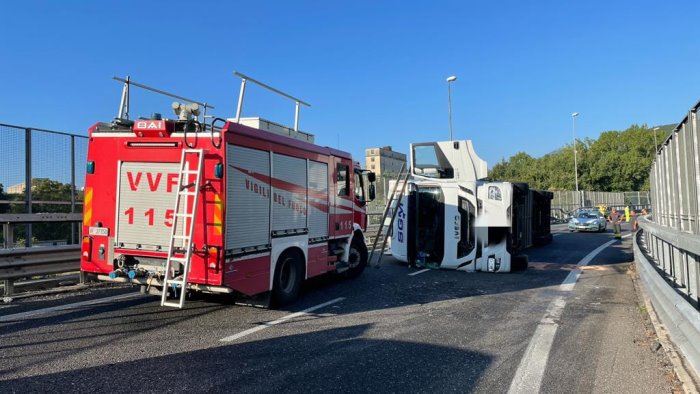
x=616, y=161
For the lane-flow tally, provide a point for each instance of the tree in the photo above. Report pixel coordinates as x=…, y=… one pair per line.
x=616, y=161
x=621, y=160
x=3, y=196
x=44, y=189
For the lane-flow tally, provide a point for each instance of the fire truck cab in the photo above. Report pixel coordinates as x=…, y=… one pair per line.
x=270, y=208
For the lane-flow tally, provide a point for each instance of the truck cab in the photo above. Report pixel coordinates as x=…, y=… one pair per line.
x=453, y=217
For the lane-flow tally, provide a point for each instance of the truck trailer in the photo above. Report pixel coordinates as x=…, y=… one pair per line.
x=237, y=206
x=451, y=216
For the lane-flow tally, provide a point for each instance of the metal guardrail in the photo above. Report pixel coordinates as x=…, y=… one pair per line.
x=670, y=302
x=676, y=255
x=28, y=262
x=9, y=220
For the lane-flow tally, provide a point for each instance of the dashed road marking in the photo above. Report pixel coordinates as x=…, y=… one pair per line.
x=75, y=305
x=280, y=320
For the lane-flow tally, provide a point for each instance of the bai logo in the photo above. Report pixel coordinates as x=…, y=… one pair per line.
x=150, y=125
x=400, y=223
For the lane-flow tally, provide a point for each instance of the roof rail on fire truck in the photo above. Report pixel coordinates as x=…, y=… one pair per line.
x=124, y=105
x=245, y=78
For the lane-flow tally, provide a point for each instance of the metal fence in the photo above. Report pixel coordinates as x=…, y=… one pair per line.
x=563, y=203
x=570, y=200
x=53, y=164
x=668, y=251
x=675, y=186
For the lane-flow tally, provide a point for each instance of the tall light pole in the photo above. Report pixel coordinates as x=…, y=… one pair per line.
x=656, y=146
x=573, y=118
x=449, y=101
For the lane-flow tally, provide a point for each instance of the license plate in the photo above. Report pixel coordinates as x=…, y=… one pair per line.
x=99, y=231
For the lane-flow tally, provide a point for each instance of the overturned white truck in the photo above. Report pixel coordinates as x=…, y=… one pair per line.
x=451, y=216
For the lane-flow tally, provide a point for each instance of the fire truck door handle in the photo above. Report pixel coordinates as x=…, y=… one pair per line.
x=337, y=226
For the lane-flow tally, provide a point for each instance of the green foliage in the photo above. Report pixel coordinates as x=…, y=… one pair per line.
x=3, y=196
x=616, y=161
x=44, y=189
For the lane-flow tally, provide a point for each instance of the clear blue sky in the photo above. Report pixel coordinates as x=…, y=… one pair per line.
x=374, y=71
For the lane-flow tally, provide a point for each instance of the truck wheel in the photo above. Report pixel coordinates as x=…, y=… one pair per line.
x=357, y=259
x=287, y=280
x=518, y=263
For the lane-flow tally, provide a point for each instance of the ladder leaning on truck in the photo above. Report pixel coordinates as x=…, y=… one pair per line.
x=242, y=206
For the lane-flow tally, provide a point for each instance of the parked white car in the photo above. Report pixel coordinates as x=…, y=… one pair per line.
x=588, y=220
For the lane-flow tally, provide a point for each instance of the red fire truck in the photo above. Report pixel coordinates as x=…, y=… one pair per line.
x=229, y=206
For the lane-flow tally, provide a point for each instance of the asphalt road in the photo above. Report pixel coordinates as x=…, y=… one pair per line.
x=557, y=327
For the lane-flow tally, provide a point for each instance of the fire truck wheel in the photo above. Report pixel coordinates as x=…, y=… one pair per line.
x=357, y=259
x=288, y=278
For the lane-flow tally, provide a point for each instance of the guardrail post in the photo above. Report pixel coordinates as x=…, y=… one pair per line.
x=8, y=237
x=9, y=287
x=28, y=182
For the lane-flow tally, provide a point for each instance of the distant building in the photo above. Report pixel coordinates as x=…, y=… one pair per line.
x=15, y=189
x=384, y=161
x=19, y=188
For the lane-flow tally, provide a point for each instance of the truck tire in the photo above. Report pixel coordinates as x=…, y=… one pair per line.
x=357, y=258
x=518, y=263
x=288, y=277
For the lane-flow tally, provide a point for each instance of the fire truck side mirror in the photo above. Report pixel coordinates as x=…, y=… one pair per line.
x=372, y=192
x=371, y=177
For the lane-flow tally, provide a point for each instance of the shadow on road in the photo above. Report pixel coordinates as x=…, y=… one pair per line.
x=336, y=360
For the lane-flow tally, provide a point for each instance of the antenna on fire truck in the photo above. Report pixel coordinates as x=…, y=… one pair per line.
x=245, y=78
x=124, y=105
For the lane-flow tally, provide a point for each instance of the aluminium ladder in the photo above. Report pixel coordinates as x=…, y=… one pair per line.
x=185, y=209
x=393, y=205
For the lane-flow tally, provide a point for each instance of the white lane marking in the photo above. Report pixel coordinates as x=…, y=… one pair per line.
x=528, y=377
x=280, y=320
x=24, y=315
x=557, y=234
x=419, y=272
x=572, y=278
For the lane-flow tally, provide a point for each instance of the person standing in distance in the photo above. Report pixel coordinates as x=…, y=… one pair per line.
x=615, y=219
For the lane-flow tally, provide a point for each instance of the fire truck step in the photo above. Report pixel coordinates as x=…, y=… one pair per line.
x=184, y=215
x=178, y=259
x=184, y=193
x=177, y=236
x=175, y=282
x=173, y=304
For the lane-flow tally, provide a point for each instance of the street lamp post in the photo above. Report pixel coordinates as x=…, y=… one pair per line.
x=449, y=101
x=573, y=118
